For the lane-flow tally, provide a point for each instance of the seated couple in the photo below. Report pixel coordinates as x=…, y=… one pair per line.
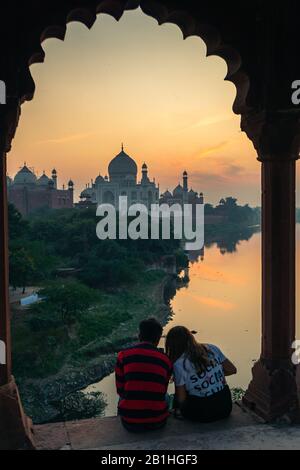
x=143, y=373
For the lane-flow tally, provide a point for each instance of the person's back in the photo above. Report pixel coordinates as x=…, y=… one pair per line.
x=142, y=377
x=206, y=382
x=199, y=375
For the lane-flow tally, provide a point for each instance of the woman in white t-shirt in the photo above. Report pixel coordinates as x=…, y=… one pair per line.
x=202, y=393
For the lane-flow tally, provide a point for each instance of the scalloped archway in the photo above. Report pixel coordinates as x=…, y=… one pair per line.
x=267, y=118
x=188, y=25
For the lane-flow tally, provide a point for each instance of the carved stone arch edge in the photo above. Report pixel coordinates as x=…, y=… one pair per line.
x=188, y=25
x=87, y=15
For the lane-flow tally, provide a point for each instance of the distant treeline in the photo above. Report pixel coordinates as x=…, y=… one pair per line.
x=233, y=213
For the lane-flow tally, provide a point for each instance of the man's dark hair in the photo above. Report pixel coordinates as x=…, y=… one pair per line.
x=150, y=330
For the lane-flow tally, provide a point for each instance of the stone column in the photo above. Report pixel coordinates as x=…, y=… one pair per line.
x=272, y=393
x=15, y=427
x=5, y=369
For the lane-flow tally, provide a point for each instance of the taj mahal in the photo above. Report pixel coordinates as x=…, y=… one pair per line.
x=122, y=181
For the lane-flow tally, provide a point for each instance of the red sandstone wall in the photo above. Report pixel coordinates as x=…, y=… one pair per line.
x=61, y=199
x=29, y=200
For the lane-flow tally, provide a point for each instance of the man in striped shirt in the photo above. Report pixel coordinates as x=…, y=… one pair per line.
x=142, y=377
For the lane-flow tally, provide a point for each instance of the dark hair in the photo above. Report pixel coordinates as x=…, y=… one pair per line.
x=150, y=330
x=181, y=341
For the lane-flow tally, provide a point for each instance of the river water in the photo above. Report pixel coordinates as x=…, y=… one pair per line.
x=222, y=303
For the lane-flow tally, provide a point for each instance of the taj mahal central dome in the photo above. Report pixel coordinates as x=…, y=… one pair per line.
x=122, y=167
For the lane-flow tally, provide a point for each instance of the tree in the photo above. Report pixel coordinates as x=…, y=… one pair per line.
x=230, y=202
x=111, y=273
x=21, y=268
x=208, y=209
x=17, y=225
x=69, y=298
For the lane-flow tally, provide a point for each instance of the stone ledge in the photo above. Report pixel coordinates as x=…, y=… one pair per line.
x=105, y=433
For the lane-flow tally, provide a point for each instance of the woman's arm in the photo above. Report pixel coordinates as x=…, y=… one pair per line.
x=228, y=367
x=181, y=394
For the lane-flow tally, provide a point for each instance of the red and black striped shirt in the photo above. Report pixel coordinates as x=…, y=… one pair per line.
x=142, y=377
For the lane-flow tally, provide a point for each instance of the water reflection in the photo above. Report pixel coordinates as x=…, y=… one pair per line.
x=221, y=301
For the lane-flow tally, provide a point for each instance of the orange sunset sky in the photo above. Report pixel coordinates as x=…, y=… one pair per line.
x=135, y=82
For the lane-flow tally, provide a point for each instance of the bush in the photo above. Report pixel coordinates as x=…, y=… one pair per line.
x=79, y=405
x=68, y=298
x=42, y=323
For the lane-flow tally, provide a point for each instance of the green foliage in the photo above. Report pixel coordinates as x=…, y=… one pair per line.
x=39, y=352
x=68, y=298
x=181, y=259
x=67, y=238
x=236, y=214
x=22, y=268
x=100, y=323
x=110, y=273
x=17, y=225
x=237, y=393
x=43, y=343
x=81, y=405
x=41, y=322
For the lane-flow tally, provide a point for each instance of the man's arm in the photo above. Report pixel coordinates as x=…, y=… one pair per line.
x=119, y=373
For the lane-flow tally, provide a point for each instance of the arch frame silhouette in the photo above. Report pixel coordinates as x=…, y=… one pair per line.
x=257, y=44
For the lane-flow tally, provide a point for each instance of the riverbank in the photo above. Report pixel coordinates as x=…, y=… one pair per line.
x=90, y=350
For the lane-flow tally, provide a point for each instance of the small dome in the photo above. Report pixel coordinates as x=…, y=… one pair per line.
x=25, y=176
x=70, y=183
x=122, y=165
x=178, y=191
x=185, y=173
x=99, y=179
x=167, y=194
x=43, y=180
x=192, y=192
x=144, y=166
x=54, y=172
x=86, y=193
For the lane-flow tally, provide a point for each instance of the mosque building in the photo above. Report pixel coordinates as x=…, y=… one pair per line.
x=28, y=193
x=182, y=194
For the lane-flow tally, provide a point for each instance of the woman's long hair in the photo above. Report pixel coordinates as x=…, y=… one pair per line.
x=181, y=341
